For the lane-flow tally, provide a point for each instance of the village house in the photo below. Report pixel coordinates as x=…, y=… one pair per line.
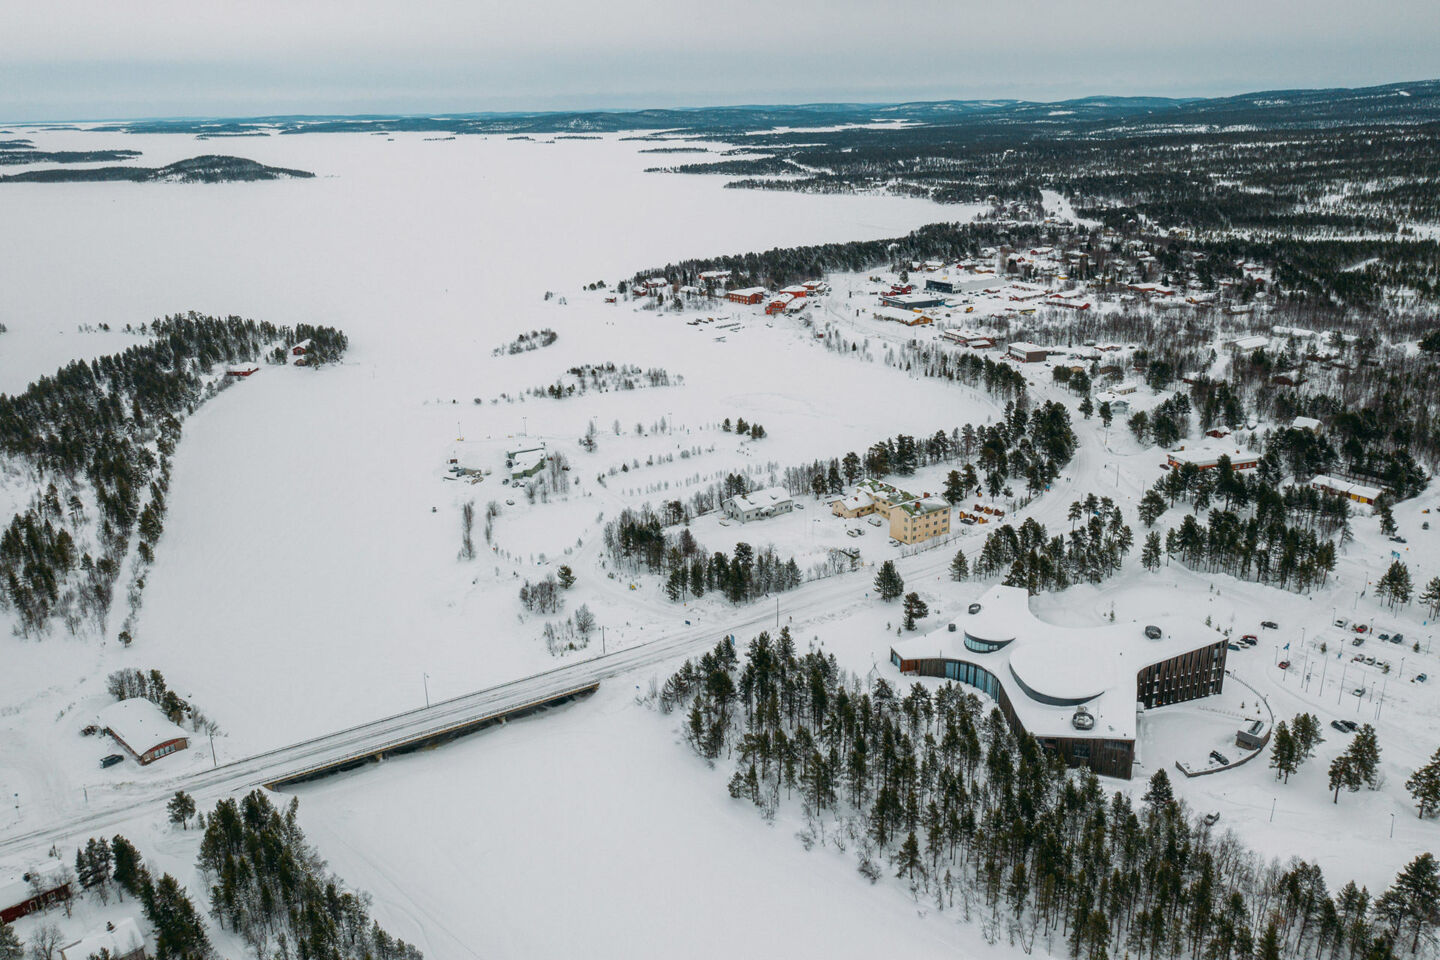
x=746, y=295
x=758, y=505
x=1206, y=457
x=142, y=729
x=911, y=318
x=27, y=891
x=1354, y=492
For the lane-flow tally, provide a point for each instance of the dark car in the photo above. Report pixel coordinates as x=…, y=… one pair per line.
x=1420, y=678
x=1340, y=725
x=1398, y=638
x=1350, y=726
x=1357, y=641
x=1220, y=758
x=111, y=760
x=1269, y=624
x=974, y=608
x=1153, y=632
x=1233, y=646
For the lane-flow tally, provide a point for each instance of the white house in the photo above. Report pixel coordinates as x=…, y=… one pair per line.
x=769, y=502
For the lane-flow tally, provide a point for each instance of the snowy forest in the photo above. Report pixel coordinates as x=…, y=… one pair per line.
x=928, y=789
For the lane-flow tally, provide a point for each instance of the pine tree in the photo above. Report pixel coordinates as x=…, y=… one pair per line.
x=566, y=576
x=1269, y=946
x=1387, y=519
x=10, y=945
x=888, y=582
x=1424, y=787
x=959, y=567
x=1343, y=774
x=1283, y=752
x=1416, y=892
x=908, y=860
x=954, y=488
x=1159, y=794
x=915, y=609
x=1150, y=554
x=1152, y=505
x=1431, y=597
x=1365, y=756
x=129, y=870
x=181, y=807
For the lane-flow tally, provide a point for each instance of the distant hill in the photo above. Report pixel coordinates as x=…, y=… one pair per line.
x=206, y=169
x=1415, y=102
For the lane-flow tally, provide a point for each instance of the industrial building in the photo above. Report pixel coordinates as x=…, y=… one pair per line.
x=1027, y=352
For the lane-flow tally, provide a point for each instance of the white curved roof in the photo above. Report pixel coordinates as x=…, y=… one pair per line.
x=1093, y=664
x=1075, y=672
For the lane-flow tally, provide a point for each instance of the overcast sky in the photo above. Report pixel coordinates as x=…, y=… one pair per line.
x=83, y=59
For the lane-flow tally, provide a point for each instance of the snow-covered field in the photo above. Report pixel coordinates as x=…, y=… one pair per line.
x=308, y=577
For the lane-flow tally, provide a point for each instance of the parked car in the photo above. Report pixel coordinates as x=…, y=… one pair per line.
x=1398, y=638
x=1420, y=678
x=1211, y=819
x=1369, y=661
x=1233, y=646
x=1249, y=641
x=1284, y=664
x=1340, y=725
x=1358, y=658
x=1220, y=758
x=111, y=760
x=1349, y=726
x=1383, y=636
x=1342, y=622
x=1361, y=628
x=1249, y=638
x=1357, y=641
x=968, y=521
x=1358, y=691
x=1152, y=631
x=1398, y=540
x=1269, y=624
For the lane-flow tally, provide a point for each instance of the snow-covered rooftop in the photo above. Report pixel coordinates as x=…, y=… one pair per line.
x=121, y=938
x=761, y=499
x=1037, y=661
x=140, y=724
x=14, y=888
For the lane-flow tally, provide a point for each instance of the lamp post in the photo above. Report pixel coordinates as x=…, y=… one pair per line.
x=425, y=678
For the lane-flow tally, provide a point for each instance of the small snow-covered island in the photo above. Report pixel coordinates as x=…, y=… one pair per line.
x=457, y=522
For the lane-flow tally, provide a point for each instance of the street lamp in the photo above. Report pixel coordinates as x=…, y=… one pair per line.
x=425, y=678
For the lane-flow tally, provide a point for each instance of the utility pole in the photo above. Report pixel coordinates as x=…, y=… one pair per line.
x=425, y=678
x=213, y=762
